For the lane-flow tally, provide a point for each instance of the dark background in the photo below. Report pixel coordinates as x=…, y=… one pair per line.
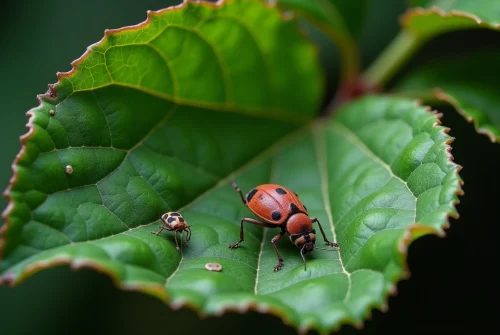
x=451, y=290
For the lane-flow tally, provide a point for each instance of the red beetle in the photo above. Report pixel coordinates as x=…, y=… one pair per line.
x=280, y=207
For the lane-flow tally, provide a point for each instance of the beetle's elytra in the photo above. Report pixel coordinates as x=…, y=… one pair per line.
x=173, y=221
x=278, y=207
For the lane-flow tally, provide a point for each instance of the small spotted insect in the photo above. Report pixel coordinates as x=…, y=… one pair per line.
x=280, y=207
x=173, y=221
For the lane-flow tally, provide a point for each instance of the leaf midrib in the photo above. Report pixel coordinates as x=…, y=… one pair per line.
x=269, y=113
x=316, y=130
x=355, y=140
x=322, y=154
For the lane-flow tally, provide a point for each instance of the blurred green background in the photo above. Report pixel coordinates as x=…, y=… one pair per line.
x=451, y=285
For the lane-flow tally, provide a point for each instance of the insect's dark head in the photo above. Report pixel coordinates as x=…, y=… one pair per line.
x=305, y=240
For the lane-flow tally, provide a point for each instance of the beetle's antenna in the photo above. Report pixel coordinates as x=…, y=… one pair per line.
x=325, y=249
x=303, y=258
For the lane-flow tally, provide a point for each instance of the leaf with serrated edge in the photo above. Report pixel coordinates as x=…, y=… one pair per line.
x=438, y=17
x=377, y=176
x=465, y=81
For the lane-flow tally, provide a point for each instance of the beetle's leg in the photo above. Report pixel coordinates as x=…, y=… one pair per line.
x=176, y=242
x=238, y=189
x=161, y=229
x=332, y=244
x=158, y=232
x=249, y=220
x=280, y=259
x=188, y=236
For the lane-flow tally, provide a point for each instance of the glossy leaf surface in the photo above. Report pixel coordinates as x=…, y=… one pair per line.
x=164, y=115
x=468, y=82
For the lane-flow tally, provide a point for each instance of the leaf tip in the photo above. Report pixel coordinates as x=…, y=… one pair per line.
x=52, y=91
x=413, y=232
x=8, y=279
x=393, y=289
x=443, y=96
x=181, y=303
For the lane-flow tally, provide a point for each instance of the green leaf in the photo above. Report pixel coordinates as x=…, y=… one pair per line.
x=465, y=81
x=162, y=116
x=438, y=16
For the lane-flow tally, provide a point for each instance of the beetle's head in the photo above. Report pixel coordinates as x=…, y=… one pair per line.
x=305, y=241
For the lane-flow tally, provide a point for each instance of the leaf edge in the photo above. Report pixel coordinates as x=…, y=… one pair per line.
x=420, y=11
x=442, y=95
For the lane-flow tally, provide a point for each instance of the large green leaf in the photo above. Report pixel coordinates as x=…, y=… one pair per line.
x=440, y=16
x=465, y=81
x=164, y=115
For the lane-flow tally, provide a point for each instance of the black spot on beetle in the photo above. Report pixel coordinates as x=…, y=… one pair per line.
x=293, y=208
x=276, y=215
x=307, y=237
x=181, y=219
x=251, y=194
x=170, y=220
x=279, y=190
x=175, y=214
x=305, y=207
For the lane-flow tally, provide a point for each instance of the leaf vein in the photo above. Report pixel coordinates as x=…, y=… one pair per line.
x=356, y=141
x=194, y=166
x=322, y=154
x=269, y=113
x=216, y=51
